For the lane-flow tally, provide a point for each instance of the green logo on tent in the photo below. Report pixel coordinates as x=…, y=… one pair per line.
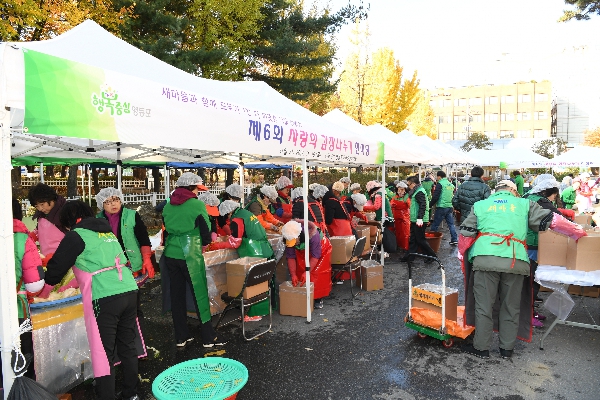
x=108, y=101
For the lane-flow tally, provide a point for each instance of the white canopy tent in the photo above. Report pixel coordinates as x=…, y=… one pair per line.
x=579, y=156
x=512, y=158
x=89, y=89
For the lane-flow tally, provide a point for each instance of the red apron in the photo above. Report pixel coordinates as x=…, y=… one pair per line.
x=341, y=227
x=401, y=211
x=321, y=274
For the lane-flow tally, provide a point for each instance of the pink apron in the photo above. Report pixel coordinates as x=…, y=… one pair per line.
x=49, y=236
x=100, y=362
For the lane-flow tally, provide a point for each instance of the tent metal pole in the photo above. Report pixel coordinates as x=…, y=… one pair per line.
x=242, y=184
x=383, y=212
x=306, y=237
x=349, y=169
x=8, y=306
x=83, y=182
x=90, y=185
x=167, y=179
x=42, y=172
x=119, y=164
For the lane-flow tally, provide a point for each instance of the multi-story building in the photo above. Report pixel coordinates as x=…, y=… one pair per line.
x=520, y=110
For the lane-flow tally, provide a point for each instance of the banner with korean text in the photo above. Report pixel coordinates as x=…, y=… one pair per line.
x=71, y=99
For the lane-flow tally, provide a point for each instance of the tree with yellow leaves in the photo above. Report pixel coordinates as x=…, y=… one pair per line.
x=421, y=121
x=592, y=138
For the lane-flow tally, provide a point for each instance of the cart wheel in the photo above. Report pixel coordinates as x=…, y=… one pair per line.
x=448, y=343
x=421, y=335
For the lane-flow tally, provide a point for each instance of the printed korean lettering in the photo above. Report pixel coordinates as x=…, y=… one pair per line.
x=166, y=92
x=267, y=132
x=303, y=138
x=254, y=130
x=313, y=140
x=293, y=136
x=184, y=97
x=175, y=94
x=324, y=145
x=278, y=133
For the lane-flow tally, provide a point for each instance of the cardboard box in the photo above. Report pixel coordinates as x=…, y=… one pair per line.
x=583, y=219
x=587, y=291
x=342, y=248
x=429, y=297
x=236, y=274
x=552, y=248
x=364, y=231
x=216, y=276
x=292, y=300
x=371, y=276
x=584, y=254
x=282, y=272
x=374, y=230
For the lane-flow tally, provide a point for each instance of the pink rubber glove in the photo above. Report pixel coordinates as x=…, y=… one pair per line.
x=562, y=225
x=213, y=237
x=45, y=291
x=72, y=284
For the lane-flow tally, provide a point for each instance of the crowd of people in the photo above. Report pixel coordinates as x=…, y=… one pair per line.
x=107, y=255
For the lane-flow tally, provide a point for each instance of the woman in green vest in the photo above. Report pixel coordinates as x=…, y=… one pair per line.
x=419, y=217
x=249, y=238
x=187, y=230
x=109, y=295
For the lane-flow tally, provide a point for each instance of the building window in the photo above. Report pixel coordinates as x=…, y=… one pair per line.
x=507, y=117
x=475, y=101
x=491, y=100
x=540, y=133
x=540, y=115
x=431, y=103
x=524, y=133
x=476, y=118
x=446, y=103
x=446, y=135
x=506, y=134
x=444, y=119
x=460, y=135
x=541, y=97
x=524, y=98
x=507, y=99
x=460, y=102
x=523, y=116
x=491, y=117
x=491, y=134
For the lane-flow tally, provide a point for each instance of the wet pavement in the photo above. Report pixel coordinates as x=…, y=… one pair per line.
x=360, y=349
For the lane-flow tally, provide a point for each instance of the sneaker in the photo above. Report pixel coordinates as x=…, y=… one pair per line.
x=454, y=242
x=539, y=316
x=506, y=353
x=319, y=304
x=216, y=342
x=252, y=319
x=536, y=323
x=468, y=348
x=182, y=343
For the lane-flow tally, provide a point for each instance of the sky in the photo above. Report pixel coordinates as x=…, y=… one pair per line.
x=453, y=43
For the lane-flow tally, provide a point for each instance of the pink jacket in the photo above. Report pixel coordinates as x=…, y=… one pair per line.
x=33, y=274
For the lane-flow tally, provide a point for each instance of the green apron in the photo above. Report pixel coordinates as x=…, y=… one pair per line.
x=192, y=251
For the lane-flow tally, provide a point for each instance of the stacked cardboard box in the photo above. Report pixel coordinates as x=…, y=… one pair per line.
x=364, y=231
x=580, y=255
x=429, y=296
x=292, y=300
x=342, y=247
x=587, y=291
x=371, y=276
x=236, y=275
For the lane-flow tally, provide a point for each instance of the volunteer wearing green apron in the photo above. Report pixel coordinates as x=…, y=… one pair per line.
x=187, y=230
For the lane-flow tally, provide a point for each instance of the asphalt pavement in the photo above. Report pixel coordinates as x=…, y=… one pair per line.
x=360, y=349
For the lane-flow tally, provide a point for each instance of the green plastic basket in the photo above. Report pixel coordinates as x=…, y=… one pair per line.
x=214, y=378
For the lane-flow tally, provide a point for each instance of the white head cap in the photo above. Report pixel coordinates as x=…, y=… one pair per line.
x=319, y=191
x=188, y=179
x=296, y=192
x=354, y=186
x=345, y=180
x=312, y=186
x=209, y=199
x=269, y=191
x=543, y=182
x=359, y=200
x=291, y=230
x=106, y=194
x=401, y=184
x=372, y=185
x=338, y=186
x=228, y=206
x=284, y=182
x=235, y=190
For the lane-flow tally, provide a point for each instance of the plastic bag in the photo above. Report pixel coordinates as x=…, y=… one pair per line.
x=25, y=389
x=389, y=241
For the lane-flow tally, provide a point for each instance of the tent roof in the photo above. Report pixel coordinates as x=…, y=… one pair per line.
x=513, y=158
x=579, y=156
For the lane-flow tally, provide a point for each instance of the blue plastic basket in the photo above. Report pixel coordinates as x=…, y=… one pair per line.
x=214, y=378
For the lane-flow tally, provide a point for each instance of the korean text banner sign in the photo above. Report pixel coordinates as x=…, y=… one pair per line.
x=66, y=98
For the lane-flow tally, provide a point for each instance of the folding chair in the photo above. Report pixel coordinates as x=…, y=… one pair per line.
x=352, y=265
x=257, y=274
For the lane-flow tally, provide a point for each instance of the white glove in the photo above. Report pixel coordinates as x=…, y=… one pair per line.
x=419, y=222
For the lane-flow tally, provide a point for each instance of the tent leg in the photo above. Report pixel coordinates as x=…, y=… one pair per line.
x=242, y=183
x=306, y=237
x=383, y=213
x=83, y=182
x=8, y=306
x=42, y=172
x=90, y=185
x=166, y=179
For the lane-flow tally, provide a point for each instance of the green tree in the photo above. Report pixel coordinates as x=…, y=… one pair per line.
x=592, y=138
x=421, y=121
x=477, y=140
x=583, y=10
x=550, y=148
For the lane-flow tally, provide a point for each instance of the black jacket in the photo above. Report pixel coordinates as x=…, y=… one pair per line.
x=298, y=210
x=469, y=193
x=335, y=209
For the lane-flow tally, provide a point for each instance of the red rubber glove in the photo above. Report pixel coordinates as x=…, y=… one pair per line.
x=45, y=291
x=302, y=279
x=292, y=265
x=46, y=259
x=147, y=266
x=569, y=214
x=220, y=245
x=313, y=263
x=33, y=235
